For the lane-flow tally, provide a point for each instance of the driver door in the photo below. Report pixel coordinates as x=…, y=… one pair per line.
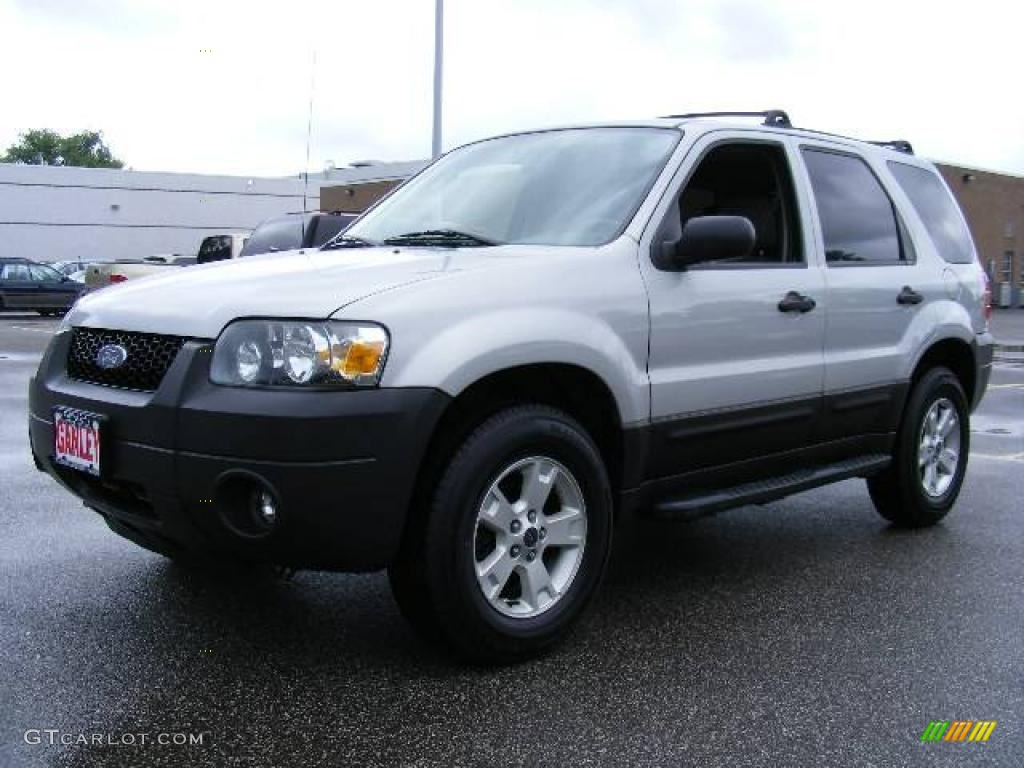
x=734, y=375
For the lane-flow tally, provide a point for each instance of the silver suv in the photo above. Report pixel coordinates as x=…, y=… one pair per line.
x=538, y=334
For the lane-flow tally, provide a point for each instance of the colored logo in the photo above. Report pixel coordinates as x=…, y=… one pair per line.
x=958, y=730
x=111, y=356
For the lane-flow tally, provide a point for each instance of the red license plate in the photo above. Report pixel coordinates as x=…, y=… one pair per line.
x=76, y=436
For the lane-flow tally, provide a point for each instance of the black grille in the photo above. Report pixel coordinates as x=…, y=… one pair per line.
x=149, y=357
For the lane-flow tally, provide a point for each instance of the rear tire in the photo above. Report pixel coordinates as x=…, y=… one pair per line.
x=931, y=453
x=515, y=540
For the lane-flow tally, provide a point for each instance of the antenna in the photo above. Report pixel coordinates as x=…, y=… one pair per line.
x=438, y=65
x=309, y=133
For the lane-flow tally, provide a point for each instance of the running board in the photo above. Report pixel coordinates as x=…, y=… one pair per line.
x=762, y=491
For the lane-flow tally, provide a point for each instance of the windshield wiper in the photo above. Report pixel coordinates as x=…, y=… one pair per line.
x=346, y=241
x=442, y=237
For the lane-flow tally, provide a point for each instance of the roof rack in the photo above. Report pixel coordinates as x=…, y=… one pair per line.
x=776, y=117
x=900, y=145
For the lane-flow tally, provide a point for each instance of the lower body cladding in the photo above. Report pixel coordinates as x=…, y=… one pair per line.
x=306, y=479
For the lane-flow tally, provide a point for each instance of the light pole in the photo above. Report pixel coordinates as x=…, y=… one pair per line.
x=438, y=62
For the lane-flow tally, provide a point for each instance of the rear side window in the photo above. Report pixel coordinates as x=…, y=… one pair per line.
x=937, y=209
x=283, y=234
x=858, y=220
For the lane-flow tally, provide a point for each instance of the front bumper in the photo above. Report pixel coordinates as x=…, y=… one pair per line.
x=341, y=465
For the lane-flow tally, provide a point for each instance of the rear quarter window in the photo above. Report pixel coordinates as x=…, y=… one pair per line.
x=938, y=211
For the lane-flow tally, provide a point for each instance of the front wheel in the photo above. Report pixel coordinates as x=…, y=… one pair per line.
x=515, y=541
x=930, y=459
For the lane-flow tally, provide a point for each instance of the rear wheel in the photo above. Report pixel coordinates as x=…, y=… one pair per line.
x=930, y=459
x=515, y=541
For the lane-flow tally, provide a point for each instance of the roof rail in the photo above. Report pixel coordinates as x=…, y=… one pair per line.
x=779, y=119
x=776, y=117
x=900, y=145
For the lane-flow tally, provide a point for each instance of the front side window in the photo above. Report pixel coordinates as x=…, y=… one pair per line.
x=41, y=274
x=566, y=187
x=858, y=221
x=938, y=211
x=753, y=181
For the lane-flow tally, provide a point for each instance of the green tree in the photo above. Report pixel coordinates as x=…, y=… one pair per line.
x=42, y=147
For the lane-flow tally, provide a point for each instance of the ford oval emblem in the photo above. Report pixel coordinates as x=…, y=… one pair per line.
x=111, y=356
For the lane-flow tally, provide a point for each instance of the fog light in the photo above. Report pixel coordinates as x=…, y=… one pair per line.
x=265, y=508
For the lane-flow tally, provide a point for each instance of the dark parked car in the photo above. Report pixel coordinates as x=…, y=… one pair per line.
x=296, y=230
x=27, y=285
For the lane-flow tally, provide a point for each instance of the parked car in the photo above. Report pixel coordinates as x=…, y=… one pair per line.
x=537, y=335
x=296, y=230
x=102, y=274
x=27, y=285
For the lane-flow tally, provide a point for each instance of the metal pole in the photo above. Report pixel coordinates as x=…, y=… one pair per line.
x=438, y=57
x=309, y=136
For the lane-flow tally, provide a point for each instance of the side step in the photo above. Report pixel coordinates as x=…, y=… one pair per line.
x=761, y=491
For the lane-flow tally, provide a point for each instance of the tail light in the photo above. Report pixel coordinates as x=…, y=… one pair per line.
x=117, y=278
x=986, y=297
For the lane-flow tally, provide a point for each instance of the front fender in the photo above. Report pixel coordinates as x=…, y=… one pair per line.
x=458, y=355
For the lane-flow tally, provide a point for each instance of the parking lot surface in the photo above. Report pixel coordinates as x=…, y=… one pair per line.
x=803, y=632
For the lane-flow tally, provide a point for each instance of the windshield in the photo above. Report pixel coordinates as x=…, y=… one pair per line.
x=566, y=187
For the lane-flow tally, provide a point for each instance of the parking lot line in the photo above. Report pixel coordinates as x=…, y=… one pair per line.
x=33, y=329
x=999, y=456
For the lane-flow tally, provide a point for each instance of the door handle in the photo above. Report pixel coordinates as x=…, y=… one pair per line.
x=796, y=302
x=909, y=296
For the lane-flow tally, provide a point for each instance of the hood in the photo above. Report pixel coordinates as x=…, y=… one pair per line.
x=198, y=301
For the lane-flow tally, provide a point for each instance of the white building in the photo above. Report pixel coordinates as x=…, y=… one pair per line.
x=52, y=213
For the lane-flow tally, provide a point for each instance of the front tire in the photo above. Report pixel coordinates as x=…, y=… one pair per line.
x=515, y=541
x=930, y=459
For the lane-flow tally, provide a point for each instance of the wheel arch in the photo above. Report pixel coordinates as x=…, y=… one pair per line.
x=574, y=389
x=954, y=353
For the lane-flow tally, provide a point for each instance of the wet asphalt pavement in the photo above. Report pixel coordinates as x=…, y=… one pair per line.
x=805, y=632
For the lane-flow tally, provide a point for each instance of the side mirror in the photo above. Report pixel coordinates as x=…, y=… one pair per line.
x=710, y=238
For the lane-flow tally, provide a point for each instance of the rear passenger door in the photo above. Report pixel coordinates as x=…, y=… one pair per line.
x=736, y=373
x=874, y=287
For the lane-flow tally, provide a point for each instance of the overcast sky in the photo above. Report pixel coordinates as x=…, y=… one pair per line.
x=224, y=87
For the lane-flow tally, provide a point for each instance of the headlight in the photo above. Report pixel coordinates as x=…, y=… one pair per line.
x=299, y=353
